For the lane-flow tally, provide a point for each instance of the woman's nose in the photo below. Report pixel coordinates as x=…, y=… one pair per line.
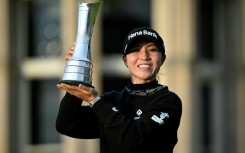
x=144, y=55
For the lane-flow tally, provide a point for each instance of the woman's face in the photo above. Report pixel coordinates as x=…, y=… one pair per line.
x=143, y=61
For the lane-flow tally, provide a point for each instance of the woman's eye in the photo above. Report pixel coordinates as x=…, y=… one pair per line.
x=135, y=49
x=153, y=49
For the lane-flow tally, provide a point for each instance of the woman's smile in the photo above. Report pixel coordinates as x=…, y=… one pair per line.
x=144, y=66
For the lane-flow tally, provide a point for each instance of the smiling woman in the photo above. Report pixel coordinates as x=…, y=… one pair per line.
x=143, y=61
x=143, y=54
x=134, y=120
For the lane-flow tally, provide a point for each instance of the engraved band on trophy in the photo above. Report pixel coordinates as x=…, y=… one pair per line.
x=78, y=68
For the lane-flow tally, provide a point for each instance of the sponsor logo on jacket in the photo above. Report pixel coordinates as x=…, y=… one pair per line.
x=160, y=119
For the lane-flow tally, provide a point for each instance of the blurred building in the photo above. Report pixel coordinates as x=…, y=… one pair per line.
x=205, y=66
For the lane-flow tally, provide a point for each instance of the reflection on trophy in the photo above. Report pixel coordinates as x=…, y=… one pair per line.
x=78, y=68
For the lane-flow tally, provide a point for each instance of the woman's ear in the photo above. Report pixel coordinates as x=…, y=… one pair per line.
x=124, y=60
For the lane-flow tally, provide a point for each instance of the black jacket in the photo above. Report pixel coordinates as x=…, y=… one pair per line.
x=142, y=118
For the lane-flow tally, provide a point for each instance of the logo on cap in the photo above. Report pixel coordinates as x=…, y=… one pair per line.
x=142, y=32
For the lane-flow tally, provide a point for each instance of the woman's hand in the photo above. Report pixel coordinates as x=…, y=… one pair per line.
x=70, y=52
x=83, y=92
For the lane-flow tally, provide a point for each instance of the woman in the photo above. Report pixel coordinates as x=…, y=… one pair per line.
x=142, y=118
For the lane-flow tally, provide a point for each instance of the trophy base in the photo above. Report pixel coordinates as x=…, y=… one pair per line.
x=74, y=83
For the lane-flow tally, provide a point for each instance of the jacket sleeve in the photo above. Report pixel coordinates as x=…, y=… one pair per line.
x=75, y=120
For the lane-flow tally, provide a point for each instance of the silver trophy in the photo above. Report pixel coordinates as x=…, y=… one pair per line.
x=78, y=68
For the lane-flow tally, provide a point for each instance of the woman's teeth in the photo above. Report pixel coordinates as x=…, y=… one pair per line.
x=144, y=65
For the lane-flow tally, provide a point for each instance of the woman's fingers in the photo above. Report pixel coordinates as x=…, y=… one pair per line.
x=70, y=52
x=81, y=91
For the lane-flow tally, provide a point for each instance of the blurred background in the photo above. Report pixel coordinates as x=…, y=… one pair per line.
x=205, y=66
